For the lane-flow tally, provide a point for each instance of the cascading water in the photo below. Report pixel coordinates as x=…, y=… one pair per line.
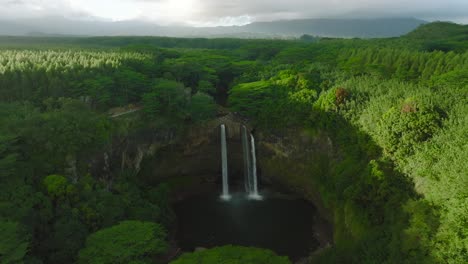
x=245, y=149
x=225, y=195
x=250, y=165
x=253, y=194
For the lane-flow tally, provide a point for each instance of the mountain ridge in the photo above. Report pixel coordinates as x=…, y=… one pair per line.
x=325, y=27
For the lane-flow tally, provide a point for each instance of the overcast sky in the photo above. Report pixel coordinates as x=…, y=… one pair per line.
x=233, y=12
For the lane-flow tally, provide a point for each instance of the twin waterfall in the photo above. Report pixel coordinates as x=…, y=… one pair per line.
x=250, y=165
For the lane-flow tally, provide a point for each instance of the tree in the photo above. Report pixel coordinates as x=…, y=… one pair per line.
x=129, y=241
x=8, y=156
x=232, y=255
x=66, y=238
x=205, y=86
x=130, y=85
x=202, y=107
x=332, y=99
x=67, y=131
x=402, y=129
x=56, y=185
x=248, y=98
x=14, y=242
x=168, y=99
x=100, y=89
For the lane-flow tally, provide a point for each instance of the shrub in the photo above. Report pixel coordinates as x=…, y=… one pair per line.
x=125, y=242
x=402, y=128
x=232, y=255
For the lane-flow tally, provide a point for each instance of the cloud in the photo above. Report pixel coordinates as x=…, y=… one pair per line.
x=218, y=12
x=277, y=9
x=12, y=2
x=21, y=9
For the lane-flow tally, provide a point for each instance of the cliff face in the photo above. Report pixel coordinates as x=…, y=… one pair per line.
x=197, y=153
x=190, y=162
x=296, y=160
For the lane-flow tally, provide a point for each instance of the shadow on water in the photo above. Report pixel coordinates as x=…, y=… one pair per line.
x=284, y=225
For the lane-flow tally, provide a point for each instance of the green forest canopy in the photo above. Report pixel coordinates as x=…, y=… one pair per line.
x=397, y=109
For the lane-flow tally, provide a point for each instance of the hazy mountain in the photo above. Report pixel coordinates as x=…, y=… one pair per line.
x=442, y=36
x=440, y=31
x=363, y=28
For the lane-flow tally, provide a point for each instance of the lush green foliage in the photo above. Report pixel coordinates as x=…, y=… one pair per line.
x=426, y=142
x=168, y=99
x=402, y=129
x=413, y=106
x=56, y=186
x=443, y=36
x=14, y=242
x=59, y=210
x=395, y=111
x=233, y=255
x=202, y=107
x=127, y=242
x=104, y=78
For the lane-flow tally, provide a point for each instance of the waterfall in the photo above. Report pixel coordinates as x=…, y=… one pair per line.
x=245, y=149
x=250, y=165
x=253, y=194
x=225, y=195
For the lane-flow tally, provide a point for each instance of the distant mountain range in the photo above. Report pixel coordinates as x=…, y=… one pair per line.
x=361, y=28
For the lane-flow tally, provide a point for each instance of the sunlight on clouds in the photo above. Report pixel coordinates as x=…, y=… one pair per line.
x=179, y=8
x=162, y=11
x=224, y=21
x=172, y=11
x=109, y=9
x=231, y=12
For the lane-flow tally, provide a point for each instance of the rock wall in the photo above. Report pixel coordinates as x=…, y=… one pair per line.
x=295, y=160
x=158, y=155
x=197, y=153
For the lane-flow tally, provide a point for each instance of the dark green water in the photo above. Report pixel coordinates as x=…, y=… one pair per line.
x=282, y=225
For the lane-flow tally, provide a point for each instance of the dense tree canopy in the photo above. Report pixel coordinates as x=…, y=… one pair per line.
x=232, y=254
x=127, y=242
x=394, y=111
x=14, y=242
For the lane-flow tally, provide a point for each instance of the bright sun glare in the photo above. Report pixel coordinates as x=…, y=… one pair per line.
x=179, y=8
x=166, y=10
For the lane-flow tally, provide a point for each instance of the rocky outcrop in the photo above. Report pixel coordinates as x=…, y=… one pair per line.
x=128, y=153
x=196, y=153
x=158, y=155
